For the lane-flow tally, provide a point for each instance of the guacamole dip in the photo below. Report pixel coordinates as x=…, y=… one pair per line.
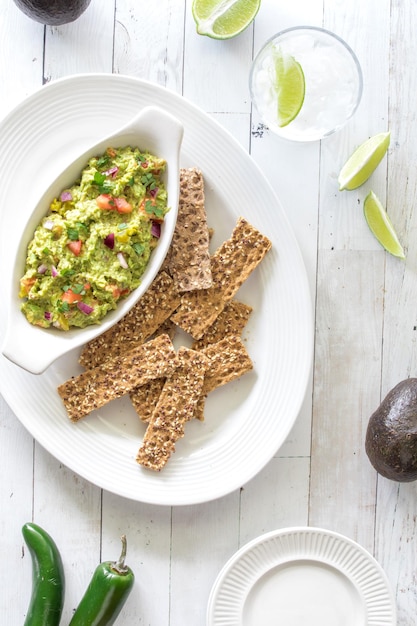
x=94, y=244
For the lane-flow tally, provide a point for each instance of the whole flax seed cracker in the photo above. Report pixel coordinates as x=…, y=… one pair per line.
x=145, y=398
x=166, y=328
x=231, y=321
x=231, y=265
x=115, y=377
x=229, y=360
x=174, y=408
x=189, y=257
x=155, y=306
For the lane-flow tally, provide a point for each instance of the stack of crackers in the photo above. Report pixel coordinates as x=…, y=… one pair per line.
x=194, y=291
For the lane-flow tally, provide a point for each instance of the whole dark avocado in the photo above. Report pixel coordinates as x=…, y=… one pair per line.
x=391, y=436
x=53, y=12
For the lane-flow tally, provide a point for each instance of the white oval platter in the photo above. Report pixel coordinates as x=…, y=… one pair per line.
x=247, y=420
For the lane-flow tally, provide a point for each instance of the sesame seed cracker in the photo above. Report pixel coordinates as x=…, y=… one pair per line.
x=155, y=306
x=231, y=265
x=115, y=377
x=231, y=321
x=189, y=259
x=174, y=408
x=229, y=360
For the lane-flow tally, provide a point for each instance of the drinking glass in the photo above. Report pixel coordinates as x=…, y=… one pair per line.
x=333, y=82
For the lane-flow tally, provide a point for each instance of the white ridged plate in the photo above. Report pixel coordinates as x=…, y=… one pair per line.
x=301, y=576
x=246, y=421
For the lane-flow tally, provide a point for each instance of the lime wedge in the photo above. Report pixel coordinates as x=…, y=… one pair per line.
x=289, y=86
x=223, y=19
x=381, y=226
x=363, y=162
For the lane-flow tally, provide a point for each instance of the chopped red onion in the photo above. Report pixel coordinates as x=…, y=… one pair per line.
x=48, y=315
x=85, y=308
x=153, y=192
x=156, y=229
x=42, y=269
x=109, y=241
x=65, y=196
x=112, y=171
x=49, y=224
x=54, y=271
x=122, y=260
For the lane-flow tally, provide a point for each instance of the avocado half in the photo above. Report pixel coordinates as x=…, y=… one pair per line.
x=53, y=12
x=391, y=436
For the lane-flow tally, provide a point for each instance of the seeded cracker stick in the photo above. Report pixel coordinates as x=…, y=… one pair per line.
x=229, y=360
x=145, y=398
x=96, y=387
x=174, y=408
x=231, y=265
x=166, y=328
x=155, y=306
x=231, y=321
x=189, y=261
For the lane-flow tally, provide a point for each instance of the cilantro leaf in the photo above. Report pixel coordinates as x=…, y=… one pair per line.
x=99, y=178
x=73, y=233
x=67, y=272
x=103, y=160
x=138, y=248
x=104, y=185
x=158, y=212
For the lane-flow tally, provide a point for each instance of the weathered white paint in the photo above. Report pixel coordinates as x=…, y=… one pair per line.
x=364, y=303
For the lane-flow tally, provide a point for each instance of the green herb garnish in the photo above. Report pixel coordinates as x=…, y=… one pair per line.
x=153, y=210
x=77, y=288
x=67, y=273
x=148, y=180
x=81, y=227
x=158, y=212
x=103, y=161
x=73, y=233
x=104, y=185
x=138, y=248
x=76, y=232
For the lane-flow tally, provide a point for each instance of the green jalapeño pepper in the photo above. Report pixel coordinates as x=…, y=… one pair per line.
x=106, y=594
x=48, y=581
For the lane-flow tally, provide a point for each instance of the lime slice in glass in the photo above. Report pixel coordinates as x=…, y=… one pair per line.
x=289, y=86
x=363, y=162
x=380, y=224
x=223, y=19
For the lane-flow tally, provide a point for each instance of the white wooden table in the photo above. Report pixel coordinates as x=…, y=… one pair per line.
x=364, y=304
